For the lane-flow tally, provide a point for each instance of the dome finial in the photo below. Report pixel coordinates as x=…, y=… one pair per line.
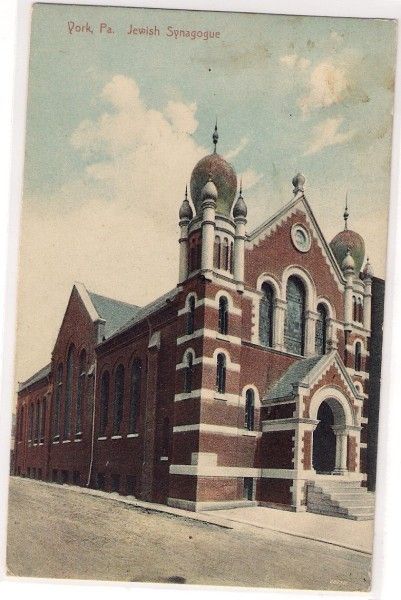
x=186, y=192
x=346, y=213
x=298, y=182
x=215, y=137
x=186, y=212
x=240, y=188
x=240, y=209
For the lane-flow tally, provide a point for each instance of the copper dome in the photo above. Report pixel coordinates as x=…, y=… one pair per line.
x=216, y=168
x=352, y=240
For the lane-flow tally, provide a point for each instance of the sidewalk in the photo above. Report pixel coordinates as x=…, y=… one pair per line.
x=354, y=535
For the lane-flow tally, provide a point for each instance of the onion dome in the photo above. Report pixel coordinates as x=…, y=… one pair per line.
x=348, y=264
x=348, y=239
x=209, y=191
x=298, y=182
x=214, y=167
x=240, y=209
x=368, y=271
x=186, y=212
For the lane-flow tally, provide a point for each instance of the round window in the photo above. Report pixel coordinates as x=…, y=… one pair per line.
x=300, y=238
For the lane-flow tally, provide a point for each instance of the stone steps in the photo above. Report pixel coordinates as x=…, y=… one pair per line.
x=347, y=499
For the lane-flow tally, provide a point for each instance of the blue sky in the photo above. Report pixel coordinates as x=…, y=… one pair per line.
x=116, y=122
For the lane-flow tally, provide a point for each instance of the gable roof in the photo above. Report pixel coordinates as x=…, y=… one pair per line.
x=41, y=374
x=114, y=312
x=299, y=202
x=306, y=372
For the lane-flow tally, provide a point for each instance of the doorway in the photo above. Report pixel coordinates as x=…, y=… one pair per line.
x=324, y=441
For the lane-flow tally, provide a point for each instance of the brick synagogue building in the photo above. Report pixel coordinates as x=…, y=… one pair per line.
x=252, y=381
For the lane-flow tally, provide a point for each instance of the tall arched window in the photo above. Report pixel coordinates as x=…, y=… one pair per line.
x=294, y=335
x=226, y=254
x=358, y=356
x=223, y=315
x=136, y=377
x=31, y=418
x=68, y=392
x=118, y=399
x=232, y=257
x=189, y=372
x=43, y=421
x=216, y=252
x=57, y=401
x=191, y=315
x=80, y=392
x=250, y=410
x=266, y=316
x=354, y=309
x=221, y=373
x=360, y=310
x=104, y=402
x=321, y=330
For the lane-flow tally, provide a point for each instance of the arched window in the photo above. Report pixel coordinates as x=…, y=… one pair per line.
x=360, y=310
x=104, y=402
x=216, y=252
x=43, y=421
x=191, y=316
x=118, y=399
x=189, y=368
x=80, y=392
x=354, y=309
x=232, y=257
x=221, y=374
x=294, y=334
x=223, y=315
x=266, y=316
x=358, y=356
x=250, y=410
x=226, y=255
x=136, y=377
x=37, y=422
x=57, y=401
x=31, y=417
x=68, y=392
x=321, y=330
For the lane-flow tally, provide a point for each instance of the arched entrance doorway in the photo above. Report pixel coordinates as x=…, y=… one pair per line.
x=329, y=454
x=324, y=441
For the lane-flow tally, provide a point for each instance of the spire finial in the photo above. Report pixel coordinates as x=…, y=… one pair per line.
x=215, y=137
x=346, y=213
x=240, y=187
x=186, y=192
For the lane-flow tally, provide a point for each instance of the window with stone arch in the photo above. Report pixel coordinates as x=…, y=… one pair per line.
x=266, y=315
x=68, y=391
x=80, y=392
x=221, y=373
x=321, y=330
x=226, y=255
x=189, y=371
x=223, y=315
x=354, y=309
x=136, y=382
x=217, y=252
x=294, y=330
x=118, y=398
x=358, y=356
x=104, y=402
x=360, y=310
x=57, y=401
x=250, y=410
x=191, y=315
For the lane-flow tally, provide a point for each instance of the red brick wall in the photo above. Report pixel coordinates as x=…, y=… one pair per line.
x=276, y=491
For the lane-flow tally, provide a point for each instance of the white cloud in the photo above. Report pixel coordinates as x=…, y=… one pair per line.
x=326, y=134
x=294, y=61
x=233, y=153
x=328, y=85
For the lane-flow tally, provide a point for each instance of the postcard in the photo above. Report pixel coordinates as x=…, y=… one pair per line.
x=201, y=285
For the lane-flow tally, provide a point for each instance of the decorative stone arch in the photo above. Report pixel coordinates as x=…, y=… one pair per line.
x=359, y=387
x=267, y=278
x=276, y=322
x=305, y=277
x=229, y=364
x=226, y=294
x=187, y=299
x=344, y=421
x=250, y=386
x=331, y=313
x=186, y=352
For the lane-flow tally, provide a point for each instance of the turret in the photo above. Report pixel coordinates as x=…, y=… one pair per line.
x=239, y=213
x=185, y=216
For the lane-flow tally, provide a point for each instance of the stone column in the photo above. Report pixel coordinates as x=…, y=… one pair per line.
x=348, y=293
x=341, y=450
x=280, y=308
x=183, y=260
x=367, y=303
x=208, y=232
x=310, y=332
x=332, y=343
x=239, y=251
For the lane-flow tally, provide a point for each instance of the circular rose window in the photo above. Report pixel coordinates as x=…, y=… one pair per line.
x=300, y=238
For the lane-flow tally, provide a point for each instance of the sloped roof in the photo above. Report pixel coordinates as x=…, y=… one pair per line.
x=114, y=312
x=283, y=388
x=147, y=310
x=41, y=374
